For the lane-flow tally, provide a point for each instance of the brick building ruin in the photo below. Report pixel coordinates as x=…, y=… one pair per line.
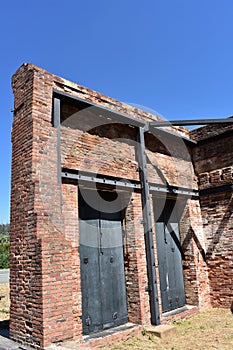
x=114, y=221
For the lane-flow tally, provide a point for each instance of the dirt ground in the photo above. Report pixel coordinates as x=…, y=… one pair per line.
x=4, y=302
x=212, y=329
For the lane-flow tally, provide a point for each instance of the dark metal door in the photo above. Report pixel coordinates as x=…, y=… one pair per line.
x=169, y=255
x=102, y=268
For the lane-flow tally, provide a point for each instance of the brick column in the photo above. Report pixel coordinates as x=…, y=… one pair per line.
x=136, y=267
x=41, y=274
x=26, y=312
x=71, y=229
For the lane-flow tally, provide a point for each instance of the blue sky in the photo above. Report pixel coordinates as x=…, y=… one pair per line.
x=172, y=56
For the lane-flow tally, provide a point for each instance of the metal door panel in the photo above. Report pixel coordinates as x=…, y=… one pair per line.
x=102, y=268
x=163, y=264
x=178, y=293
x=90, y=279
x=89, y=261
x=91, y=297
x=169, y=256
x=110, y=233
x=170, y=270
x=89, y=233
x=114, y=308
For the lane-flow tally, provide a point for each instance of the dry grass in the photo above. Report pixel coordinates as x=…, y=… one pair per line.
x=4, y=302
x=212, y=329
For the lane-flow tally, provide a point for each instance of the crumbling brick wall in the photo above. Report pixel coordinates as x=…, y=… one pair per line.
x=214, y=166
x=39, y=252
x=45, y=282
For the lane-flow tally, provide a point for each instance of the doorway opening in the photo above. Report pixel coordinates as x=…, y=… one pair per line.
x=169, y=254
x=102, y=262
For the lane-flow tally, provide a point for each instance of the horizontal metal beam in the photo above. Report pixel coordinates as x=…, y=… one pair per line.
x=116, y=116
x=169, y=134
x=126, y=183
x=188, y=122
x=174, y=190
x=124, y=118
x=100, y=180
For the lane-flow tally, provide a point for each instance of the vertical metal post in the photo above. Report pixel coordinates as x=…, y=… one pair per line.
x=56, y=112
x=147, y=224
x=56, y=124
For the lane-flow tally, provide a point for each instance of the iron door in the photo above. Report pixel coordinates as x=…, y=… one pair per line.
x=169, y=256
x=102, y=268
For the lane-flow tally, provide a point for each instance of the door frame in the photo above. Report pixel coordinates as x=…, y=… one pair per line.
x=123, y=304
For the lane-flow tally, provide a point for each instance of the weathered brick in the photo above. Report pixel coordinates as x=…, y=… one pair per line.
x=46, y=296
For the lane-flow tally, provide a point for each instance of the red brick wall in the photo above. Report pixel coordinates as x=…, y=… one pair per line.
x=45, y=267
x=214, y=167
x=26, y=252
x=218, y=226
x=135, y=261
x=195, y=263
x=40, y=255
